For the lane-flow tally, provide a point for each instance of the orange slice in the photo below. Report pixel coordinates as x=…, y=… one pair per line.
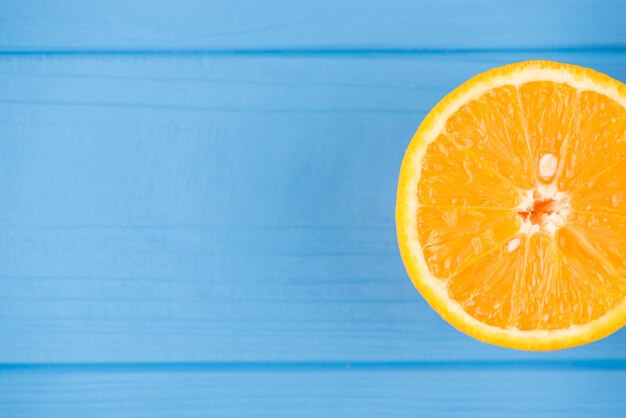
x=511, y=207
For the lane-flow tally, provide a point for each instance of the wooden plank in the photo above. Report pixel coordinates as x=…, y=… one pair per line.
x=214, y=208
x=312, y=393
x=279, y=24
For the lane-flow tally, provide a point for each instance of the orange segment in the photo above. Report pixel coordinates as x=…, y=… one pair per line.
x=549, y=110
x=454, y=238
x=594, y=284
x=493, y=128
x=460, y=176
x=511, y=210
x=481, y=289
x=602, y=144
x=606, y=236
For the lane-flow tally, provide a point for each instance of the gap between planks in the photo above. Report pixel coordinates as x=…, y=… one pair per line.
x=300, y=366
x=316, y=51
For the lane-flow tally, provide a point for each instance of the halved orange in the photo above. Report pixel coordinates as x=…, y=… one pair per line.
x=511, y=214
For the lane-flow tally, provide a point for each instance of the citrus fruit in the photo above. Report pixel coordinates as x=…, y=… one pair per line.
x=511, y=214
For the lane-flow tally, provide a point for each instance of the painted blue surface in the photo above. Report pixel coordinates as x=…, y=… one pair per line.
x=196, y=206
x=283, y=24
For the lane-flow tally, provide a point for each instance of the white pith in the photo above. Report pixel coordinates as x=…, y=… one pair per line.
x=551, y=222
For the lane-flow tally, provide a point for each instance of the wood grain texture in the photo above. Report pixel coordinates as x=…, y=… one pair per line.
x=311, y=393
x=284, y=25
x=220, y=208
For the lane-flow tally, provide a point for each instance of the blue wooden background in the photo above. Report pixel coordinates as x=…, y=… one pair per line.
x=197, y=209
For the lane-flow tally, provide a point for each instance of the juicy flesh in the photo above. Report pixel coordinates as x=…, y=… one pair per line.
x=522, y=206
